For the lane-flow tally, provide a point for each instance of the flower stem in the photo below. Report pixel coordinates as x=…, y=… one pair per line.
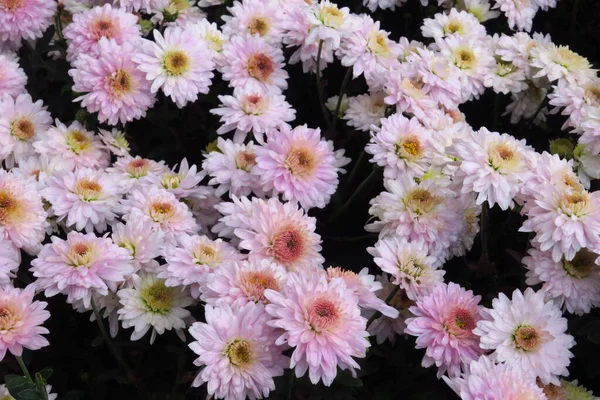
x=320, y=87
x=58, y=25
x=387, y=301
x=355, y=168
x=41, y=389
x=341, y=95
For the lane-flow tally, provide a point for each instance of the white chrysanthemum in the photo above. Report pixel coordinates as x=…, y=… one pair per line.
x=459, y=23
x=210, y=34
x=528, y=334
x=136, y=172
x=328, y=23
x=139, y=237
x=505, y=77
x=12, y=76
x=255, y=17
x=520, y=13
x=10, y=259
x=479, y=8
x=149, y=304
x=364, y=110
x=183, y=183
x=115, y=141
x=177, y=63
x=556, y=62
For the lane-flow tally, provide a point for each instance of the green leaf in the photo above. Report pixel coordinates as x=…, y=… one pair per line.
x=14, y=382
x=28, y=394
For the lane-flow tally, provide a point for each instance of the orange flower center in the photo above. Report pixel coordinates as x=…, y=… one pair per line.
x=258, y=26
x=11, y=5
x=9, y=207
x=527, y=338
x=245, y=160
x=120, y=82
x=7, y=318
x=260, y=66
x=22, y=128
x=255, y=283
x=300, y=161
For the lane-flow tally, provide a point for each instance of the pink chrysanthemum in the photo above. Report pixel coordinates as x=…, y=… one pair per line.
x=87, y=28
x=322, y=321
x=298, y=164
x=10, y=259
x=364, y=110
x=238, y=353
x=12, y=76
x=112, y=84
x=87, y=198
x=20, y=321
x=74, y=144
x=250, y=60
x=574, y=285
x=443, y=324
x=404, y=89
x=22, y=214
x=488, y=380
x=79, y=266
x=193, y=258
x=528, y=334
x=140, y=5
x=236, y=214
x=136, y=172
x=178, y=63
x=25, y=19
x=140, y=239
x=283, y=233
x=21, y=122
x=253, y=109
x=386, y=328
x=255, y=17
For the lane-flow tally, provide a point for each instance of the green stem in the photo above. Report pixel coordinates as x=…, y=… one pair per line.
x=341, y=95
x=358, y=190
x=387, y=301
x=41, y=389
x=320, y=87
x=58, y=24
x=356, y=165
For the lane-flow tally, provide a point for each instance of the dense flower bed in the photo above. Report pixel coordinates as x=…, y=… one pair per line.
x=295, y=199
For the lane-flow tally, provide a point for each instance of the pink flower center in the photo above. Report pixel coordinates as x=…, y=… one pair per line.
x=254, y=284
x=81, y=249
x=7, y=318
x=460, y=322
x=102, y=27
x=288, y=245
x=138, y=167
x=301, y=162
x=120, y=83
x=22, y=128
x=245, y=160
x=11, y=5
x=260, y=66
x=323, y=314
x=9, y=207
x=527, y=338
x=80, y=254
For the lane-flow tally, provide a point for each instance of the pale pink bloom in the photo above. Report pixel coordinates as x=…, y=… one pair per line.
x=372, y=5
x=115, y=141
x=492, y=165
x=565, y=221
x=21, y=321
x=176, y=13
x=364, y=286
x=479, y=8
x=87, y=198
x=485, y=379
x=149, y=304
x=79, y=266
x=177, y=63
x=139, y=237
x=74, y=144
x=203, y=209
x=209, y=33
x=87, y=28
x=443, y=324
x=404, y=89
x=183, y=183
x=243, y=282
x=412, y=268
x=255, y=17
x=112, y=84
x=250, y=60
x=328, y=23
x=21, y=123
x=236, y=214
x=505, y=77
x=590, y=125
x=237, y=351
x=573, y=285
x=168, y=214
x=40, y=168
x=12, y=76
x=518, y=49
x=77, y=6
x=10, y=259
x=25, y=19
x=455, y=22
x=528, y=334
x=136, y=172
x=575, y=99
x=193, y=258
x=402, y=146
x=283, y=233
x=232, y=168
x=520, y=13
x=299, y=164
x=322, y=321
x=252, y=109
x=142, y=5
x=364, y=110
x=556, y=62
x=22, y=214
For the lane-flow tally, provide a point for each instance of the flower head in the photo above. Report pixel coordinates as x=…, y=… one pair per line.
x=25, y=19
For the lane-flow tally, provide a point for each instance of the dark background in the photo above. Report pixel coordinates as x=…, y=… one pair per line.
x=82, y=366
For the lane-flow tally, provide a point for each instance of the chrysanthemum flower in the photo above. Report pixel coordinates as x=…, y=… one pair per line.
x=176, y=13
x=237, y=351
x=87, y=28
x=253, y=109
x=255, y=17
x=74, y=144
x=10, y=259
x=298, y=164
x=177, y=63
x=386, y=328
x=140, y=5
x=456, y=22
x=528, y=334
x=193, y=258
x=77, y=6
x=140, y=239
x=364, y=110
x=231, y=167
x=136, y=172
x=479, y=8
x=443, y=324
x=488, y=380
x=328, y=23
x=20, y=321
x=557, y=62
x=87, y=198
x=209, y=33
x=22, y=214
x=283, y=233
x=404, y=89
x=322, y=321
x=115, y=141
x=25, y=19
x=149, y=304
x=573, y=284
x=112, y=84
x=80, y=265
x=12, y=76
x=183, y=183
x=250, y=60
x=520, y=13
x=21, y=122
x=409, y=264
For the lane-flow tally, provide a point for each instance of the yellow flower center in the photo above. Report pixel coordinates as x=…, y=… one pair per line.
x=570, y=60
x=378, y=44
x=22, y=128
x=10, y=208
x=157, y=298
x=258, y=26
x=575, y=204
x=454, y=26
x=78, y=141
x=503, y=157
x=88, y=189
x=301, y=162
x=7, y=319
x=206, y=255
x=245, y=160
x=161, y=211
x=11, y=5
x=331, y=16
x=138, y=167
x=80, y=254
x=240, y=353
x=120, y=82
x=527, y=338
x=176, y=62
x=464, y=58
x=170, y=181
x=409, y=147
x=421, y=201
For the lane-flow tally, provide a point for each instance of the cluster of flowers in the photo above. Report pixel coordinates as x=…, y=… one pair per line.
x=144, y=243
